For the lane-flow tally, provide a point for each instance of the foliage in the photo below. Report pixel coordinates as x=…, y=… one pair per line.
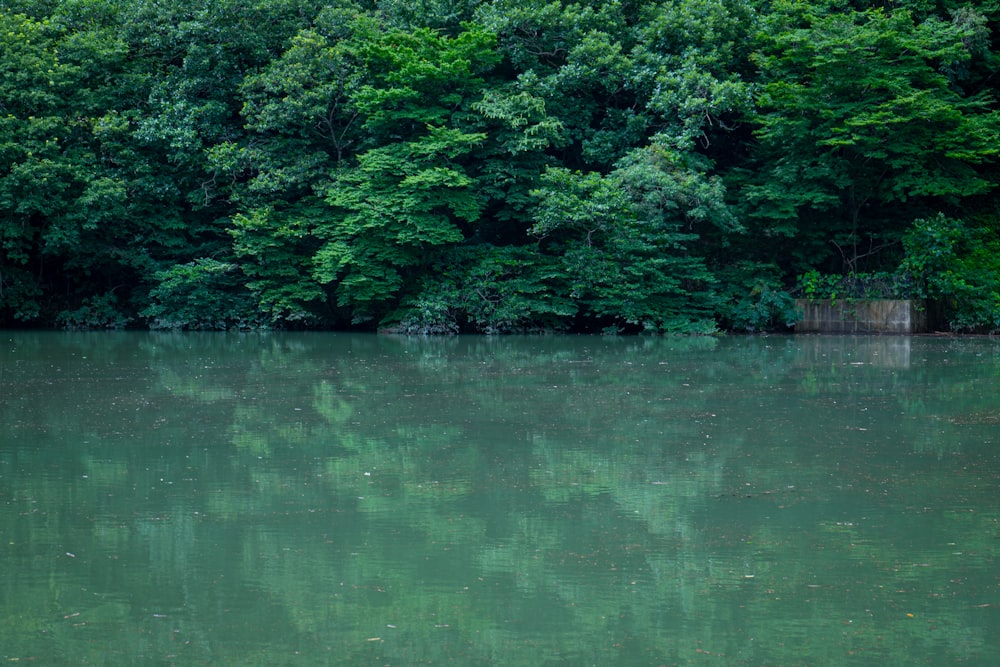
x=754, y=298
x=631, y=165
x=899, y=284
x=489, y=290
x=203, y=294
x=272, y=247
x=98, y=312
x=626, y=240
x=862, y=129
x=958, y=265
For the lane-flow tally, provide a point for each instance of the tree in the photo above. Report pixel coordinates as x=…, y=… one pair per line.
x=384, y=123
x=861, y=129
x=958, y=265
x=56, y=200
x=627, y=240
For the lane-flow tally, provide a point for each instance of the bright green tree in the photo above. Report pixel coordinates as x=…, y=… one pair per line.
x=368, y=133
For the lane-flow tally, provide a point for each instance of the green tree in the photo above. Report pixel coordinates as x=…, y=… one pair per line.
x=58, y=205
x=108, y=110
x=489, y=289
x=400, y=190
x=958, y=265
x=862, y=127
x=189, y=151
x=299, y=111
x=627, y=240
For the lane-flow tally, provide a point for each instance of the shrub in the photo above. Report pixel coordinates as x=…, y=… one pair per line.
x=98, y=312
x=205, y=294
x=756, y=300
x=959, y=266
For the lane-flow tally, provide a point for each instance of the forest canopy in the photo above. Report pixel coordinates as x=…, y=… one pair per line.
x=494, y=166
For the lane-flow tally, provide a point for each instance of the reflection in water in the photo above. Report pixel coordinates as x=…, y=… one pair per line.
x=883, y=351
x=341, y=499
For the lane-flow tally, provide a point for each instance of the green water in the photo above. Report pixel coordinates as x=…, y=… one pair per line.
x=315, y=499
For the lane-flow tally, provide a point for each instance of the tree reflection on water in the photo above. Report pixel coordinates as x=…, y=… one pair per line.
x=345, y=499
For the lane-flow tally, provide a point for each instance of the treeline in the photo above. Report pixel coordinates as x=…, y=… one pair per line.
x=494, y=166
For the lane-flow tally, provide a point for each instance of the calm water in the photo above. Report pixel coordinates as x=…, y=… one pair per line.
x=320, y=499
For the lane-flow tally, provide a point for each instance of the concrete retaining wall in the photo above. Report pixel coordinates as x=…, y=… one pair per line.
x=892, y=316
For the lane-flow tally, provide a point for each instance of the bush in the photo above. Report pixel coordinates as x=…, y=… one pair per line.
x=485, y=289
x=876, y=285
x=959, y=266
x=205, y=294
x=99, y=312
x=756, y=300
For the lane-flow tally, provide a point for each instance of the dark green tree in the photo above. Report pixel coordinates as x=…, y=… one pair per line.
x=862, y=127
x=60, y=208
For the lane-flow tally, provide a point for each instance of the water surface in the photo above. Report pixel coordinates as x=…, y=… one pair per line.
x=332, y=499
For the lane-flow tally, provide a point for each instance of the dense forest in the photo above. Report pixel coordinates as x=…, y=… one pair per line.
x=494, y=165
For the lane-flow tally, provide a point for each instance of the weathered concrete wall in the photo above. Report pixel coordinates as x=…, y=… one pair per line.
x=861, y=316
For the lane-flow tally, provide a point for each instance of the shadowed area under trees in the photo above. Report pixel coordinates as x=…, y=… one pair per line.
x=624, y=166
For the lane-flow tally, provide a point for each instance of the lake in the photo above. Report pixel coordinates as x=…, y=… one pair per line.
x=338, y=499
